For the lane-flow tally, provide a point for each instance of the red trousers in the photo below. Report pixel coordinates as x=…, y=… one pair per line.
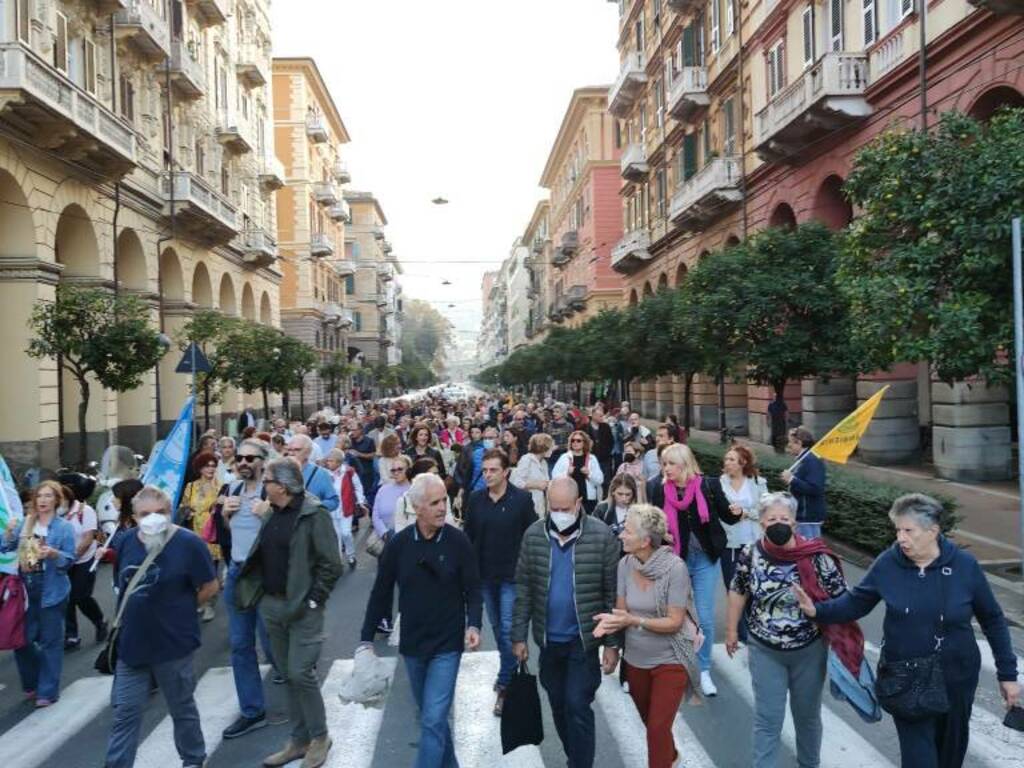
x=657, y=693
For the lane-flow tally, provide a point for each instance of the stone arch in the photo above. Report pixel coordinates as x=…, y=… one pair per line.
x=662, y=281
x=226, y=298
x=202, y=287
x=681, y=271
x=75, y=245
x=831, y=207
x=130, y=261
x=16, y=222
x=633, y=298
x=705, y=253
x=648, y=291
x=783, y=216
x=266, y=313
x=988, y=102
x=248, y=303
x=172, y=284
x=732, y=240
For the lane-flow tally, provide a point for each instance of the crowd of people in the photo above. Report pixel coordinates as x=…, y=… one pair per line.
x=580, y=530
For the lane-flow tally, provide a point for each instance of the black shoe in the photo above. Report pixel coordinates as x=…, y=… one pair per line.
x=72, y=643
x=352, y=563
x=244, y=725
x=384, y=627
x=102, y=632
x=278, y=679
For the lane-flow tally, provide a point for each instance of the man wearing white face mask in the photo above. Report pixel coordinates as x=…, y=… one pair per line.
x=165, y=573
x=567, y=575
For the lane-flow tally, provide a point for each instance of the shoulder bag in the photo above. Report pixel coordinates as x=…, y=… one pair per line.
x=106, y=662
x=915, y=689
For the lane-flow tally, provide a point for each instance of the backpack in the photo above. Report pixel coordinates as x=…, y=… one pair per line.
x=13, y=604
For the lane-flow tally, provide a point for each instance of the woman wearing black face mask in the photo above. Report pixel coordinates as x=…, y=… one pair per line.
x=633, y=465
x=788, y=653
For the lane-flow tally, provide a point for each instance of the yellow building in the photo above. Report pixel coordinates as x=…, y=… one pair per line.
x=135, y=155
x=312, y=214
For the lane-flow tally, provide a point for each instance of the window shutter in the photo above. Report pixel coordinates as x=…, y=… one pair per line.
x=689, y=156
x=730, y=127
x=808, y=26
x=23, y=21
x=687, y=47
x=836, y=25
x=870, y=23
x=906, y=8
x=730, y=16
x=716, y=12
x=771, y=73
x=668, y=71
x=89, y=65
x=60, y=45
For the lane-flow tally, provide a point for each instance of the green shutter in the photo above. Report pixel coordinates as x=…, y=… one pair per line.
x=689, y=47
x=689, y=155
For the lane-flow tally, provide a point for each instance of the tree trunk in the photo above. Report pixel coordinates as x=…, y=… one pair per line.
x=83, y=410
x=206, y=402
x=286, y=406
x=302, y=399
x=721, y=406
x=266, y=403
x=687, y=404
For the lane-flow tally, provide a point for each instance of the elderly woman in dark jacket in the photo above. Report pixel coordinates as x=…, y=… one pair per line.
x=931, y=589
x=695, y=508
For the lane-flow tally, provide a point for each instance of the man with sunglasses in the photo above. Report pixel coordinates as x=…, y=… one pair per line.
x=242, y=506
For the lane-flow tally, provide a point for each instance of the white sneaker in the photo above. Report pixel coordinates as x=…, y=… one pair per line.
x=707, y=685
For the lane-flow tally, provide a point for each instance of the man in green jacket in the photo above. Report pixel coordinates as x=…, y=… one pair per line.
x=565, y=576
x=290, y=572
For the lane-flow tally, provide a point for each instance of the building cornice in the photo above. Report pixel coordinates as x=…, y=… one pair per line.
x=29, y=269
x=579, y=105
x=308, y=67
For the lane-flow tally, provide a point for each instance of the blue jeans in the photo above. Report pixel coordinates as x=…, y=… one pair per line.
x=433, y=687
x=571, y=677
x=243, y=627
x=704, y=577
x=499, y=597
x=128, y=697
x=41, y=659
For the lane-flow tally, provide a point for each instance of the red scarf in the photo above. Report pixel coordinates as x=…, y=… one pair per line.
x=846, y=640
x=348, y=492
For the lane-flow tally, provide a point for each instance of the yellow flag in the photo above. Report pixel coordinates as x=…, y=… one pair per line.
x=840, y=441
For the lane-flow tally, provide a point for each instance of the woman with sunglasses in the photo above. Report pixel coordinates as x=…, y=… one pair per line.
x=582, y=466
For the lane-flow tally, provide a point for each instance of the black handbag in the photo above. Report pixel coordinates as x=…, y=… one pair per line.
x=521, y=721
x=915, y=689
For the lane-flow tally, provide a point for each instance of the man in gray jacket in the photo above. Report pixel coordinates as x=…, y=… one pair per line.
x=565, y=576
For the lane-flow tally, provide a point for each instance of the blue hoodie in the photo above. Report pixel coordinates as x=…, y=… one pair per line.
x=912, y=610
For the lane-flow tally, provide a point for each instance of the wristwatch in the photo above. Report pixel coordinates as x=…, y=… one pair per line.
x=313, y=605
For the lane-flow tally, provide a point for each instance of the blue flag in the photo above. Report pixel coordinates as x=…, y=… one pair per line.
x=167, y=469
x=10, y=506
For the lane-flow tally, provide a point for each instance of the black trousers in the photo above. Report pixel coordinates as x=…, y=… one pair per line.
x=82, y=582
x=939, y=742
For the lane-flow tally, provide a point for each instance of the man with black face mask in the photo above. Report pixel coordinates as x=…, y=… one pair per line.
x=566, y=575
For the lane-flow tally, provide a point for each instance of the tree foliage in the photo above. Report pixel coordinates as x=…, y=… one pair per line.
x=210, y=330
x=426, y=336
x=265, y=359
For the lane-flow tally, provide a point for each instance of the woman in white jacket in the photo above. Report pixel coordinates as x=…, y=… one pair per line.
x=582, y=466
x=743, y=487
x=531, y=473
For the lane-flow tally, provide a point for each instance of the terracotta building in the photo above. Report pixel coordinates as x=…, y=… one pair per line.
x=738, y=116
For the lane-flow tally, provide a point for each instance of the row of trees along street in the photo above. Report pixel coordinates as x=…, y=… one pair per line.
x=923, y=273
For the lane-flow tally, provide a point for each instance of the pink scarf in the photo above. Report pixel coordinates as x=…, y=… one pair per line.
x=673, y=506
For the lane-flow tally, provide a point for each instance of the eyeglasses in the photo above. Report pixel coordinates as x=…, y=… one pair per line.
x=397, y=469
x=577, y=440
x=248, y=457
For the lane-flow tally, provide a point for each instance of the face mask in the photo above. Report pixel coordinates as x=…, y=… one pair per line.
x=629, y=457
x=563, y=520
x=153, y=524
x=779, y=533
x=488, y=443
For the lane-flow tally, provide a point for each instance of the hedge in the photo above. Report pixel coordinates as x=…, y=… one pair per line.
x=858, y=509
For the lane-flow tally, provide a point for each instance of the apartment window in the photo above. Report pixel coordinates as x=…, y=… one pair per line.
x=730, y=17
x=689, y=156
x=661, y=191
x=350, y=285
x=835, y=25
x=638, y=31
x=716, y=35
x=659, y=101
x=23, y=19
x=870, y=15
x=357, y=321
x=808, y=28
x=225, y=180
x=127, y=93
x=357, y=251
x=618, y=134
x=200, y=159
x=177, y=20
x=643, y=121
x=89, y=66
x=776, y=69
x=898, y=10
x=60, y=44
x=729, y=126
x=656, y=10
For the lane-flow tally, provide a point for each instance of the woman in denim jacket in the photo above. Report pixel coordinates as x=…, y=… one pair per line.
x=46, y=551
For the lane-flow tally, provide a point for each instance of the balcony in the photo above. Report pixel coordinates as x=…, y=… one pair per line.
x=682, y=6
x=346, y=319
x=576, y=297
x=232, y=138
x=142, y=25
x=559, y=309
x=46, y=110
x=633, y=164
x=340, y=212
x=325, y=193
x=316, y=128
x=628, y=86
x=709, y=193
x=271, y=174
x=340, y=170
x=385, y=272
x=209, y=13
x=251, y=66
x=381, y=300
x=259, y=247
x=631, y=252
x=999, y=6
x=197, y=208
x=320, y=244
x=107, y=7
x=827, y=97
x=689, y=93
x=378, y=233
x=331, y=312
x=187, y=71
x=567, y=248
x=345, y=267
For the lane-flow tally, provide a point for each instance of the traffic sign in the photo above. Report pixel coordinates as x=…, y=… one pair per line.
x=193, y=361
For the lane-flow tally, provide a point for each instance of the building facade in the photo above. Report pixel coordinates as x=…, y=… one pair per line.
x=492, y=346
x=537, y=239
x=739, y=116
x=136, y=155
x=582, y=176
x=312, y=218
x=517, y=279
x=375, y=297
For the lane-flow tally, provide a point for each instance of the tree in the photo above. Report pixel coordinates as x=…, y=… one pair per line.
x=266, y=360
x=334, y=371
x=426, y=336
x=95, y=334
x=210, y=330
x=926, y=266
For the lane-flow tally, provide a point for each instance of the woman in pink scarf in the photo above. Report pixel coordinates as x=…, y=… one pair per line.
x=695, y=508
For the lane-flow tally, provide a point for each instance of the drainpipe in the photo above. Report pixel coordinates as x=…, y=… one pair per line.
x=117, y=185
x=922, y=62
x=160, y=242
x=742, y=127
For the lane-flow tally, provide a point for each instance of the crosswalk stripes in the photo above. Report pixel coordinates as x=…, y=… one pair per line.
x=37, y=736
x=218, y=707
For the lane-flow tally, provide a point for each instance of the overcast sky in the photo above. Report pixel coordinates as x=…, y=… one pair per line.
x=458, y=98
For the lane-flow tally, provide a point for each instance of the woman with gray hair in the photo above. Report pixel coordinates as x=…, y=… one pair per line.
x=788, y=654
x=932, y=590
x=661, y=633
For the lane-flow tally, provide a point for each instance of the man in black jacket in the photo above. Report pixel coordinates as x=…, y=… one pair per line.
x=438, y=595
x=495, y=519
